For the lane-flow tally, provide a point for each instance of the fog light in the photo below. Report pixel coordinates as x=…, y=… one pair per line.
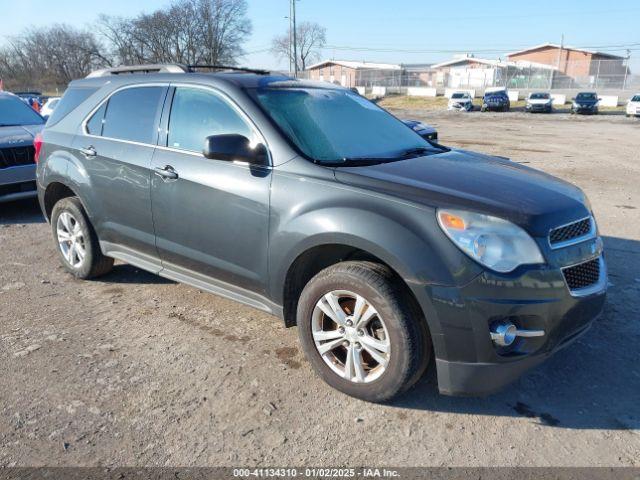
x=505, y=333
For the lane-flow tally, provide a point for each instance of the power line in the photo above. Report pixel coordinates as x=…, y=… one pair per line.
x=617, y=47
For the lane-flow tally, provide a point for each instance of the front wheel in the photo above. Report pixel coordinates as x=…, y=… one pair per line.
x=76, y=241
x=361, y=332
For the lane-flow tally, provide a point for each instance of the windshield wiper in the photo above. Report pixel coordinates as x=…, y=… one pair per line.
x=417, y=151
x=357, y=161
x=10, y=125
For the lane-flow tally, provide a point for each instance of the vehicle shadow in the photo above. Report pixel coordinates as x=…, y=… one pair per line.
x=21, y=212
x=594, y=383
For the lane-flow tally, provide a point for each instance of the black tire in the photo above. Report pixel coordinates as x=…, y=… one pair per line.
x=410, y=343
x=94, y=263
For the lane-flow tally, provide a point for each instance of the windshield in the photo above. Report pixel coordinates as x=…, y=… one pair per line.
x=14, y=111
x=636, y=98
x=540, y=96
x=330, y=125
x=457, y=95
x=586, y=96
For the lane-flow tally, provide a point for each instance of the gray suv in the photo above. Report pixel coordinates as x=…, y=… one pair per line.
x=305, y=200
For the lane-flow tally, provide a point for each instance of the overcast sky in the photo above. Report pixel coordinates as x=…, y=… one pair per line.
x=396, y=31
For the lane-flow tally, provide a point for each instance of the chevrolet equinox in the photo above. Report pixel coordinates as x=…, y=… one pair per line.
x=305, y=200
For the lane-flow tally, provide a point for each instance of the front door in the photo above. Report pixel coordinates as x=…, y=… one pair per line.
x=211, y=217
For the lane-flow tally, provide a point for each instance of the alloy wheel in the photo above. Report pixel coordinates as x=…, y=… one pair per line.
x=71, y=239
x=350, y=336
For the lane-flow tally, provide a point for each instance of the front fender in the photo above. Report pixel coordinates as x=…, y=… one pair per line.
x=308, y=214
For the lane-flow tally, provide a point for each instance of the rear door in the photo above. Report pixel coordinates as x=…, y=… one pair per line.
x=116, y=148
x=211, y=220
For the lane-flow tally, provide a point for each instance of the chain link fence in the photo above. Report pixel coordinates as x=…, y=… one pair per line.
x=594, y=75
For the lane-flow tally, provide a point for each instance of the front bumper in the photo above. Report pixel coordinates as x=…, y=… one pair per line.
x=495, y=106
x=17, y=182
x=532, y=297
x=585, y=109
x=538, y=107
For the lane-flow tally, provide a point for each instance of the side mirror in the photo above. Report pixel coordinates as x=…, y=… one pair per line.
x=599, y=99
x=573, y=99
x=234, y=147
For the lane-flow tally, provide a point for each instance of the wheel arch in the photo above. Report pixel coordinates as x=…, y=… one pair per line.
x=312, y=259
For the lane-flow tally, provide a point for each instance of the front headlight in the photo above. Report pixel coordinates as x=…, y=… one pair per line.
x=576, y=105
x=491, y=241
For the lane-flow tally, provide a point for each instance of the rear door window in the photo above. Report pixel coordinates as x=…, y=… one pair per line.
x=132, y=114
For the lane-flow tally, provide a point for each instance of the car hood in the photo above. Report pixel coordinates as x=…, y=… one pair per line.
x=461, y=179
x=18, y=136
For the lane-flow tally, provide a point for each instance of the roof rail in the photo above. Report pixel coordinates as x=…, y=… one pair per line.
x=155, y=68
x=169, y=68
x=193, y=68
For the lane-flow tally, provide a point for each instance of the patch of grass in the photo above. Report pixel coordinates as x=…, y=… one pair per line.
x=419, y=103
x=440, y=103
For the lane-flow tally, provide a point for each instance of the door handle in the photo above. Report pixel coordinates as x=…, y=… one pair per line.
x=166, y=172
x=89, y=151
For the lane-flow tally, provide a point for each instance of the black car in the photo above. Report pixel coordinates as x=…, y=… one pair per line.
x=309, y=202
x=585, y=103
x=496, y=101
x=19, y=124
x=425, y=131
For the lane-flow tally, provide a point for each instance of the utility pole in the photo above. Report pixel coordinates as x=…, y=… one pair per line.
x=295, y=41
x=290, y=17
x=559, y=59
x=560, y=52
x=626, y=70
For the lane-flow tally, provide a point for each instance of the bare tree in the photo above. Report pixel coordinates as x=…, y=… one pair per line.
x=50, y=57
x=188, y=31
x=310, y=39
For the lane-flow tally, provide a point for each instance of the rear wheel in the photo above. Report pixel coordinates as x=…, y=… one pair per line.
x=76, y=241
x=361, y=333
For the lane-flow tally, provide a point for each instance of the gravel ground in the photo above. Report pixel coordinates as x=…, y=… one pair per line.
x=132, y=369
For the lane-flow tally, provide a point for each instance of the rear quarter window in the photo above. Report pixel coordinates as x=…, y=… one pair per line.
x=73, y=97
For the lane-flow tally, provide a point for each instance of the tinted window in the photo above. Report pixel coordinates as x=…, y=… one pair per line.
x=14, y=111
x=197, y=114
x=69, y=101
x=94, y=125
x=636, y=98
x=132, y=114
x=457, y=95
x=586, y=96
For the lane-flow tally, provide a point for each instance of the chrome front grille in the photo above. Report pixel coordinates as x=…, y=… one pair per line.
x=572, y=233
